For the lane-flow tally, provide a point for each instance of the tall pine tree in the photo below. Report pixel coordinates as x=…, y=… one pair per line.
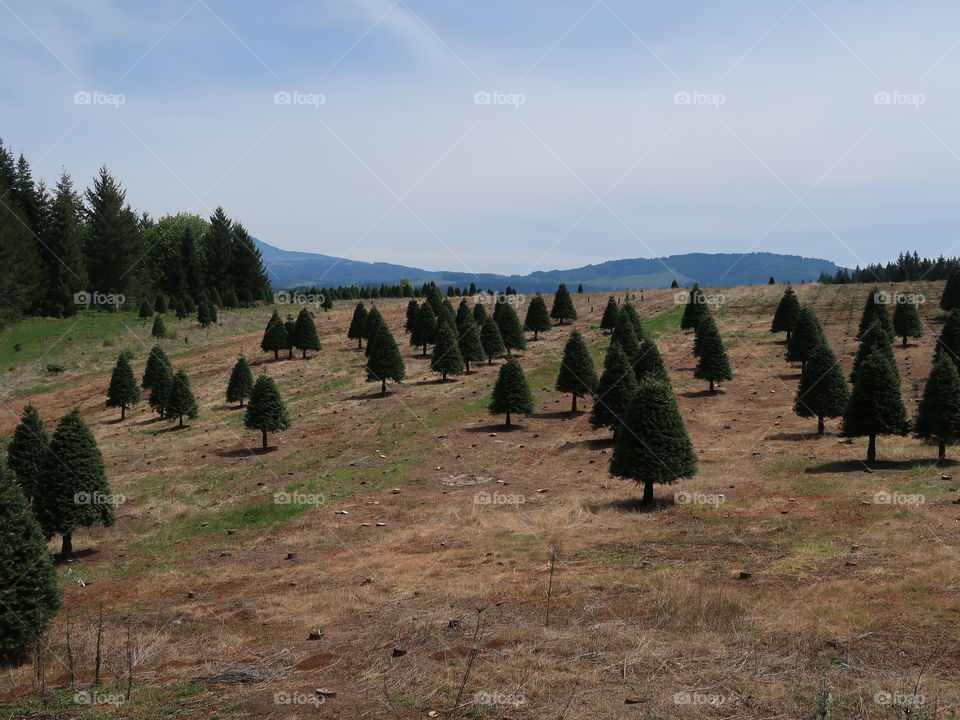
x=577, y=375
x=875, y=406
x=938, y=416
x=615, y=390
x=822, y=392
x=563, y=308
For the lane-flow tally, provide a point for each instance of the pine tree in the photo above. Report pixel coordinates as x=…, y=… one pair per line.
x=374, y=320
x=653, y=446
x=218, y=250
x=464, y=318
x=305, y=333
x=580, y=289
x=74, y=492
x=231, y=300
x=29, y=593
x=938, y=416
x=412, y=308
x=631, y=312
x=240, y=385
x=538, y=319
x=822, y=392
x=479, y=314
x=511, y=394
x=274, y=336
x=625, y=335
x=906, y=320
x=146, y=311
x=807, y=334
x=610, y=315
x=266, y=411
x=290, y=326
x=155, y=359
x=563, y=309
x=695, y=309
x=61, y=250
x=615, y=390
x=123, y=390
x=577, y=375
x=873, y=338
x=180, y=308
x=510, y=328
x=491, y=340
x=786, y=314
x=447, y=314
x=949, y=341
x=28, y=450
x=424, y=327
x=215, y=298
x=712, y=364
x=706, y=326
x=674, y=285
x=649, y=362
x=875, y=309
x=161, y=380
x=446, y=358
x=951, y=291
x=875, y=406
x=179, y=400
x=212, y=312
x=160, y=304
x=358, y=325
x=159, y=330
x=203, y=314
x=113, y=239
x=189, y=305
x=471, y=347
x=383, y=358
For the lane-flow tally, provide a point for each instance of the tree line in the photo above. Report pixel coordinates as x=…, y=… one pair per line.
x=908, y=267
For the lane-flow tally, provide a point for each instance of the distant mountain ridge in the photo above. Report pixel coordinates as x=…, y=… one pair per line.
x=289, y=269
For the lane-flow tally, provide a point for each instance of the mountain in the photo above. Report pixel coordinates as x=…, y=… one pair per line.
x=288, y=269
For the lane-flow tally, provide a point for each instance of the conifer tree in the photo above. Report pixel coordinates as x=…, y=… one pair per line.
x=788, y=310
x=653, y=446
x=30, y=594
x=906, y=320
x=580, y=289
x=358, y=325
x=491, y=340
x=215, y=298
x=873, y=338
x=615, y=390
x=674, y=285
x=146, y=311
x=74, y=492
x=511, y=394
x=159, y=330
x=412, y=308
x=266, y=411
x=631, y=312
x=374, y=320
x=305, y=333
x=447, y=314
x=179, y=400
x=938, y=416
x=951, y=291
x=807, y=334
x=231, y=300
x=577, y=375
x=27, y=451
x=649, y=362
x=274, y=336
x=625, y=335
x=471, y=347
x=610, y=315
x=875, y=406
x=949, y=341
x=179, y=308
x=383, y=358
x=538, y=319
x=822, y=392
x=189, y=305
x=446, y=358
x=563, y=309
x=706, y=326
x=510, y=328
x=424, y=327
x=464, y=318
x=203, y=314
x=479, y=314
x=695, y=309
x=712, y=364
x=123, y=390
x=160, y=304
x=156, y=358
x=212, y=312
x=159, y=387
x=240, y=385
x=875, y=308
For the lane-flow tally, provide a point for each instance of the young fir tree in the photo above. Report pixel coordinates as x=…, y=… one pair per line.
x=74, y=492
x=695, y=309
x=873, y=338
x=649, y=363
x=189, y=305
x=822, y=392
x=266, y=411
x=123, y=390
x=179, y=400
x=951, y=291
x=159, y=330
x=159, y=387
x=471, y=347
x=358, y=325
x=479, y=314
x=231, y=300
x=464, y=318
x=510, y=329
x=424, y=327
x=615, y=390
x=906, y=320
x=146, y=310
x=949, y=341
x=807, y=334
x=653, y=446
x=446, y=358
x=28, y=450
x=492, y=341
x=305, y=333
x=938, y=416
x=625, y=335
x=875, y=308
x=580, y=289
x=412, y=308
x=212, y=313
x=215, y=298
x=160, y=304
x=610, y=315
x=875, y=406
x=290, y=325
x=712, y=364
x=29, y=592
x=631, y=312
x=786, y=314
x=577, y=375
x=537, y=319
x=511, y=394
x=374, y=320
x=203, y=314
x=383, y=358
x=155, y=359
x=563, y=309
x=179, y=309
x=447, y=314
x=240, y=384
x=706, y=326
x=274, y=336
x=674, y=285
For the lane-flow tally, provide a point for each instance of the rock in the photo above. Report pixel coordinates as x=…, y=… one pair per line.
x=744, y=575
x=315, y=634
x=191, y=595
x=634, y=700
x=381, y=524
x=453, y=624
x=291, y=555
x=225, y=553
x=399, y=652
x=850, y=563
x=340, y=512
x=325, y=693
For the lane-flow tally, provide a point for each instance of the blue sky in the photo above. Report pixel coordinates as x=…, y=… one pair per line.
x=507, y=136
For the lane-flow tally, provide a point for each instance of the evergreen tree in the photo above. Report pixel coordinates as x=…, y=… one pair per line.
x=218, y=251
x=383, y=358
x=155, y=359
x=631, y=312
x=412, y=308
x=674, y=285
x=180, y=308
x=179, y=400
x=649, y=362
x=822, y=392
x=424, y=327
x=875, y=309
x=875, y=406
x=951, y=291
x=615, y=390
x=538, y=319
x=706, y=326
x=305, y=333
x=159, y=330
x=479, y=314
x=374, y=320
x=511, y=394
x=189, y=305
x=215, y=299
x=873, y=338
x=695, y=309
x=29, y=593
x=938, y=416
x=610, y=315
x=61, y=250
x=240, y=385
x=562, y=309
x=231, y=300
x=580, y=289
x=112, y=243
x=786, y=314
x=27, y=451
x=491, y=340
x=906, y=320
x=160, y=383
x=123, y=390
x=949, y=341
x=74, y=492
x=653, y=446
x=203, y=314
x=160, y=304
x=577, y=375
x=447, y=314
x=624, y=335
x=358, y=325
x=446, y=358
x=807, y=334
x=274, y=336
x=266, y=411
x=510, y=329
x=468, y=337
x=146, y=311
x=712, y=364
x=290, y=326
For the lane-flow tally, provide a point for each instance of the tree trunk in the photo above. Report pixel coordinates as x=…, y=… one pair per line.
x=304, y=353
x=264, y=439
x=803, y=365
x=424, y=349
x=466, y=363
x=383, y=386
x=443, y=377
x=711, y=386
x=573, y=407
x=788, y=336
x=290, y=353
x=241, y=401
x=535, y=334
x=181, y=421
x=66, y=547
x=508, y=419
x=276, y=354
x=820, y=427
x=942, y=455
x=123, y=412
x=359, y=343
x=872, y=448
x=648, y=493
x=489, y=359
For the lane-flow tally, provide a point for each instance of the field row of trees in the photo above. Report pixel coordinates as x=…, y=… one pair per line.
x=908, y=267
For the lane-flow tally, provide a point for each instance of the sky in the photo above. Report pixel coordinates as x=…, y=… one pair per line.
x=504, y=136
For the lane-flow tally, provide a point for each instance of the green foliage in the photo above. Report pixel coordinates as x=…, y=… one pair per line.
x=274, y=336
x=822, y=392
x=266, y=411
x=706, y=326
x=807, y=334
x=160, y=382
x=305, y=333
x=615, y=390
x=649, y=362
x=240, y=385
x=383, y=358
x=949, y=341
x=562, y=309
x=374, y=320
x=446, y=358
x=875, y=406
x=28, y=450
x=155, y=359
x=938, y=415
x=123, y=390
x=471, y=347
x=160, y=304
x=146, y=310
x=411, y=317
x=159, y=330
x=358, y=324
x=577, y=375
x=424, y=327
x=906, y=320
x=875, y=309
x=695, y=309
x=873, y=338
x=712, y=364
x=951, y=291
x=479, y=314
x=511, y=394
x=537, y=319
x=787, y=313
x=179, y=400
x=610, y=315
x=510, y=328
x=631, y=312
x=492, y=341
